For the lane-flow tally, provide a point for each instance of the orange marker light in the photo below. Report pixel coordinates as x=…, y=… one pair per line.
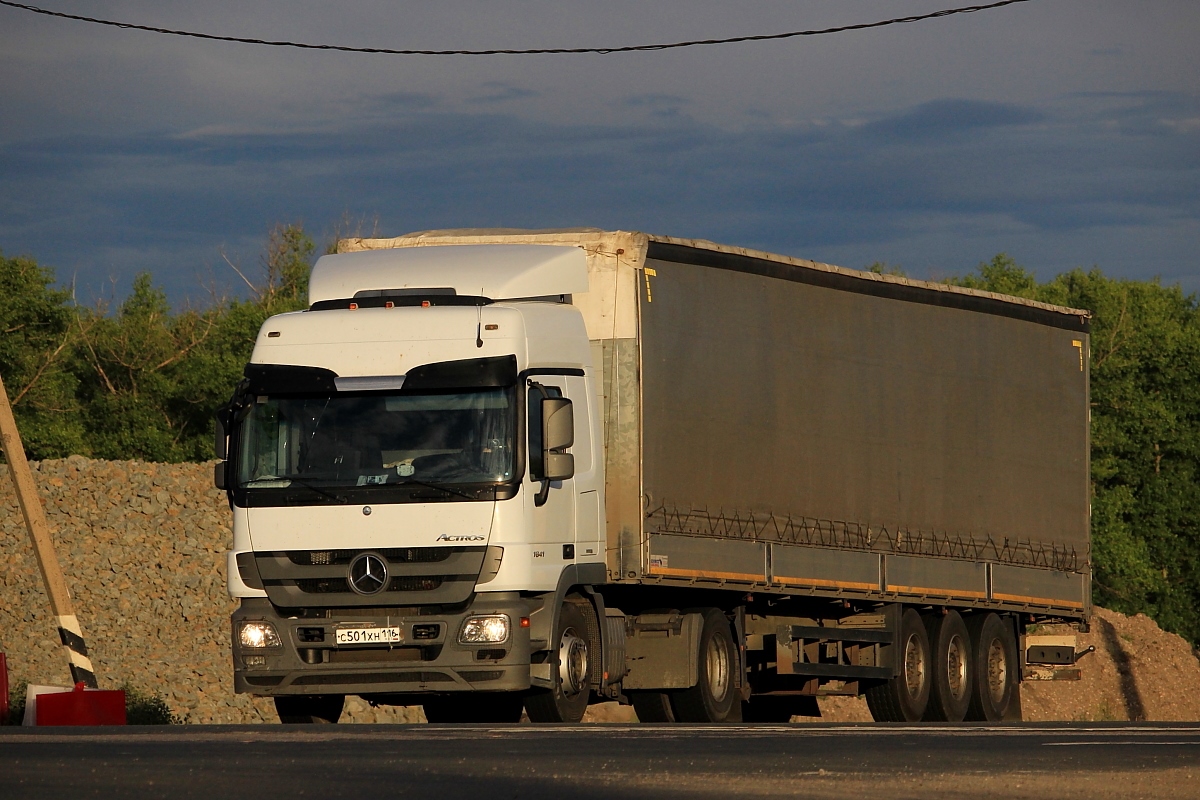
x=424, y=304
x=389, y=304
x=524, y=622
x=354, y=306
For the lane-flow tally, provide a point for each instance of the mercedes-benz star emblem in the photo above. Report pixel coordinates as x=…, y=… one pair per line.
x=368, y=573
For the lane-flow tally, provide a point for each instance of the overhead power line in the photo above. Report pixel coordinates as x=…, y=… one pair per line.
x=530, y=52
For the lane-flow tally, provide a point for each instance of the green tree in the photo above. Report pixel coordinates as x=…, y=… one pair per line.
x=1145, y=394
x=38, y=330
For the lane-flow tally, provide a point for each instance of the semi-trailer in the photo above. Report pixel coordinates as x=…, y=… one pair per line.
x=495, y=471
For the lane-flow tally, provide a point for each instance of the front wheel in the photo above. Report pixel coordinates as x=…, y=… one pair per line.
x=571, y=663
x=307, y=709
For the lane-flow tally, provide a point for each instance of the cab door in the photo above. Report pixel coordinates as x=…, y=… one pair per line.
x=554, y=519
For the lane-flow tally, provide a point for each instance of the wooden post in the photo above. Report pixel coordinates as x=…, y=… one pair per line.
x=39, y=533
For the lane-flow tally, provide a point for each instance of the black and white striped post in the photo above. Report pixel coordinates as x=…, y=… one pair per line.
x=43, y=547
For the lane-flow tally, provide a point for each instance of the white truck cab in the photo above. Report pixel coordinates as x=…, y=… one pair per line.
x=396, y=499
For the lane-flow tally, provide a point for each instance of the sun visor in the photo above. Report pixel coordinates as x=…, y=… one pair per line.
x=268, y=379
x=471, y=373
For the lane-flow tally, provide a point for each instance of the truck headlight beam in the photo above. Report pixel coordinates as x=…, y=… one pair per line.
x=258, y=634
x=484, y=629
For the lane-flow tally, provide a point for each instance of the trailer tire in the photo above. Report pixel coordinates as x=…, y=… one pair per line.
x=905, y=697
x=995, y=668
x=308, y=709
x=572, y=656
x=953, y=667
x=482, y=707
x=652, y=706
x=715, y=697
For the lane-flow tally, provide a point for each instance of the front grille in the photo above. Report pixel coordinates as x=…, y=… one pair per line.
x=480, y=675
x=394, y=555
x=375, y=654
x=322, y=585
x=415, y=583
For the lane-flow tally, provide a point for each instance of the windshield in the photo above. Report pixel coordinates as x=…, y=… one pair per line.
x=377, y=439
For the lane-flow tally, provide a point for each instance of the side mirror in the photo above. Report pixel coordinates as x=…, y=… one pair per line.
x=558, y=433
x=221, y=442
x=219, y=475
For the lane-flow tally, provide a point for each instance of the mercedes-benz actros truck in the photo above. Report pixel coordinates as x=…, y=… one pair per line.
x=496, y=471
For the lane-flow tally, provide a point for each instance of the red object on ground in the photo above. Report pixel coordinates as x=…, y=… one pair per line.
x=3, y=689
x=82, y=707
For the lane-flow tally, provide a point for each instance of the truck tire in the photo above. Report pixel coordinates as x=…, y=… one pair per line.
x=905, y=697
x=567, y=701
x=995, y=653
x=482, y=707
x=652, y=706
x=306, y=709
x=953, y=667
x=714, y=698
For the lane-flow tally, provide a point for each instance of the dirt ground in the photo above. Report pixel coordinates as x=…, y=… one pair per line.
x=1138, y=673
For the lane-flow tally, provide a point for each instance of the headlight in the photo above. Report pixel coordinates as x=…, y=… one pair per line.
x=258, y=635
x=489, y=629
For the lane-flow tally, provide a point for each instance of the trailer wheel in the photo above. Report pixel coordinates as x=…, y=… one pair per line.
x=995, y=668
x=305, y=709
x=567, y=701
x=714, y=698
x=652, y=706
x=953, y=667
x=905, y=697
x=485, y=707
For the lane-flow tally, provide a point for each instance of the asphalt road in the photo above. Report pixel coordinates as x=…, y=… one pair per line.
x=603, y=762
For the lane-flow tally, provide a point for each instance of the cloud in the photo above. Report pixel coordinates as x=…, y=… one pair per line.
x=944, y=118
x=936, y=187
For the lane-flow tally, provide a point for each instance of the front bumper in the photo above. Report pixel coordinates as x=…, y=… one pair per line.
x=430, y=660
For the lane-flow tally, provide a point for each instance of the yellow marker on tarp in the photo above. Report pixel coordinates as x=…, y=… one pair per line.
x=649, y=272
x=1079, y=344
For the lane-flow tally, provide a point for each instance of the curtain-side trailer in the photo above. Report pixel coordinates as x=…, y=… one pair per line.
x=495, y=470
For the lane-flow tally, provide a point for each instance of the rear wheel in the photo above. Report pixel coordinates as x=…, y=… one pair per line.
x=995, y=654
x=483, y=707
x=714, y=698
x=571, y=661
x=905, y=697
x=309, y=709
x=652, y=706
x=953, y=667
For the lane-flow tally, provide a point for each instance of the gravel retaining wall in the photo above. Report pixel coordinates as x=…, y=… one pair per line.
x=143, y=549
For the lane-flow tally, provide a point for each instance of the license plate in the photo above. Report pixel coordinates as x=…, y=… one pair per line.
x=368, y=636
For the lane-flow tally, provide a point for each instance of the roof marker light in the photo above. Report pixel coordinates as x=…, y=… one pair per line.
x=354, y=306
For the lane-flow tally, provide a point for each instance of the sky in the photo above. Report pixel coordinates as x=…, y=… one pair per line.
x=1065, y=133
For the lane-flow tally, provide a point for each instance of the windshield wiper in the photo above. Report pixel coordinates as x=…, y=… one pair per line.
x=436, y=488
x=317, y=489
